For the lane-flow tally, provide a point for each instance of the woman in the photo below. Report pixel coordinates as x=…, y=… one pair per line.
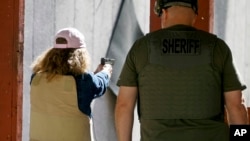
x=62, y=90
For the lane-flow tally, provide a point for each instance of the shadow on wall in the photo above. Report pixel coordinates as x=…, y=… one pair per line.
x=126, y=30
x=103, y=125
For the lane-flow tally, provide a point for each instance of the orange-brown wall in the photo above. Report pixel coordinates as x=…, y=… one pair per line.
x=204, y=19
x=11, y=52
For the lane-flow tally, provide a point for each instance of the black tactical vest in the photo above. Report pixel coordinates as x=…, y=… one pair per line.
x=179, y=81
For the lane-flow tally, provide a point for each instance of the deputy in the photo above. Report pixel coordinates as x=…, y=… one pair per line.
x=181, y=90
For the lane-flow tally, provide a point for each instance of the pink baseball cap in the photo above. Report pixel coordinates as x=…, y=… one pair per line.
x=74, y=38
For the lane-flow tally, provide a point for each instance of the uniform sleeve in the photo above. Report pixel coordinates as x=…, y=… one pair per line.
x=230, y=77
x=128, y=74
x=134, y=62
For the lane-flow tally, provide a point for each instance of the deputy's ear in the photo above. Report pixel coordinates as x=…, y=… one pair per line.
x=164, y=17
x=194, y=19
x=164, y=13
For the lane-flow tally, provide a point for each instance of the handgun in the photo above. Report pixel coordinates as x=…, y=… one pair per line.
x=107, y=61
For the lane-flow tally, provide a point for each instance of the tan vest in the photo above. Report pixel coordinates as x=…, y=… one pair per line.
x=54, y=111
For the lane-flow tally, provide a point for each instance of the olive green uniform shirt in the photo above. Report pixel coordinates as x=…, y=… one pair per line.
x=181, y=129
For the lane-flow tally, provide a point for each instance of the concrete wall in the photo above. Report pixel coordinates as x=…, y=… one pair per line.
x=96, y=18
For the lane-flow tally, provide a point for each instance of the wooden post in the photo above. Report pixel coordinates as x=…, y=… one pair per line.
x=11, y=69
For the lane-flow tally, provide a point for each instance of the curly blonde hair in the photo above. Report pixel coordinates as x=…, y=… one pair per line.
x=55, y=61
